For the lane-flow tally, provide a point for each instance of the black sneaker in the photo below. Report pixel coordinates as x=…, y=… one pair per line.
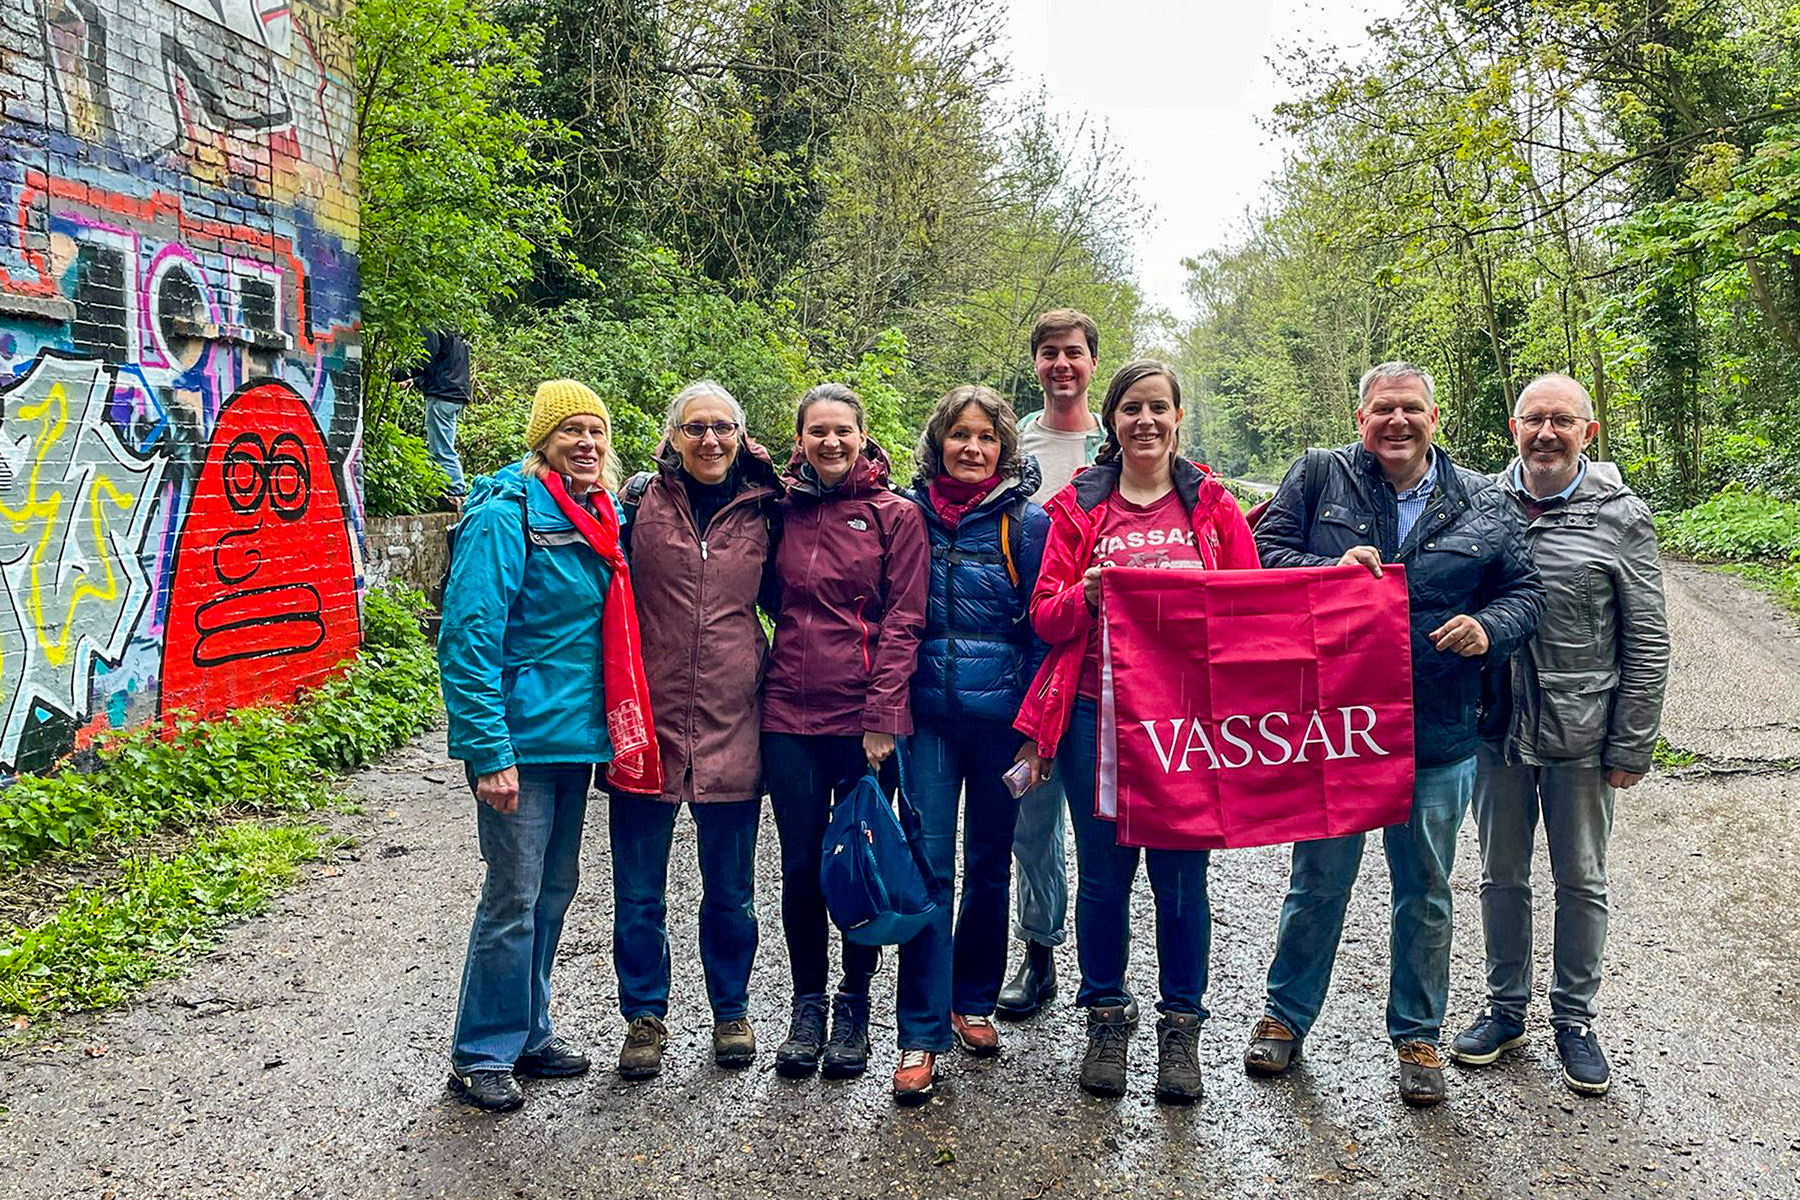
x=555, y=1059
x=798, y=1057
x=1492, y=1034
x=846, y=1055
x=490, y=1091
x=1103, y=1065
x=1584, y=1066
x=1178, y=1058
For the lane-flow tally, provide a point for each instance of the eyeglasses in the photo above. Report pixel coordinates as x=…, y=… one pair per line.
x=1561, y=422
x=723, y=430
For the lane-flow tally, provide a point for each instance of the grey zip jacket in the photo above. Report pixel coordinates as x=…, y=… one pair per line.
x=1587, y=689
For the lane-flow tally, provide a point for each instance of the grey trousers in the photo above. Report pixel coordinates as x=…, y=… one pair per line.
x=1041, y=874
x=1577, y=808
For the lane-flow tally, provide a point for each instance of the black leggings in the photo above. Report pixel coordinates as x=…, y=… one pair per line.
x=806, y=775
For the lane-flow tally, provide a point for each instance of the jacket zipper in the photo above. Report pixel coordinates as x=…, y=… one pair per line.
x=868, y=664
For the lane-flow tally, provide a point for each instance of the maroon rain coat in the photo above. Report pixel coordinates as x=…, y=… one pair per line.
x=852, y=580
x=703, y=645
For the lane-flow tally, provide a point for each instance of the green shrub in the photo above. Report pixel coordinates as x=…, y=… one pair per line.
x=636, y=366
x=1735, y=524
x=398, y=474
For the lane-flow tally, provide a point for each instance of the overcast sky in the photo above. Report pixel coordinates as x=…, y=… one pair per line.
x=1183, y=84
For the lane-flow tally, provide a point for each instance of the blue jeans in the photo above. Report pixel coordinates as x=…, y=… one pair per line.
x=533, y=858
x=642, y=830
x=1420, y=854
x=939, y=765
x=1106, y=872
x=440, y=439
x=1043, y=873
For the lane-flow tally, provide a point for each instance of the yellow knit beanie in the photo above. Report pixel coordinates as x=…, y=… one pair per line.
x=555, y=402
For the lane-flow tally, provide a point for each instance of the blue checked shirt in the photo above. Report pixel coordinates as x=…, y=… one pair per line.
x=1413, y=500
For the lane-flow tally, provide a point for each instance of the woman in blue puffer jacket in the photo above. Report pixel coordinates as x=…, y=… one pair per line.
x=975, y=661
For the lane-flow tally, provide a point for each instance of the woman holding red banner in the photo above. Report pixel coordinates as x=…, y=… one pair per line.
x=851, y=576
x=542, y=679
x=1140, y=505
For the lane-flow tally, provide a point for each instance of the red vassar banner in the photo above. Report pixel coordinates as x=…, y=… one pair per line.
x=1252, y=708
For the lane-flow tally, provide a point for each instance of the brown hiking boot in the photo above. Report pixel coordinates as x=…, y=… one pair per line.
x=1421, y=1073
x=734, y=1044
x=641, y=1055
x=1272, y=1049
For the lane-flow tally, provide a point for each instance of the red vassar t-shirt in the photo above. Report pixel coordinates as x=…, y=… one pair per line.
x=1158, y=534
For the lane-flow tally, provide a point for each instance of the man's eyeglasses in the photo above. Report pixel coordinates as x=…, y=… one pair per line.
x=723, y=430
x=1561, y=422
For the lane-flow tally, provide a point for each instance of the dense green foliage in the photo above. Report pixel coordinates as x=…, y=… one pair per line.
x=769, y=195
x=1735, y=524
x=260, y=760
x=1503, y=188
x=105, y=943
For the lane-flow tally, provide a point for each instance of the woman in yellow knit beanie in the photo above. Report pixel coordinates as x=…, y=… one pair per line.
x=556, y=401
x=543, y=683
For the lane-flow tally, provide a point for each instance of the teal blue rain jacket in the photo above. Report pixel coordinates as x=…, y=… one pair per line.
x=520, y=646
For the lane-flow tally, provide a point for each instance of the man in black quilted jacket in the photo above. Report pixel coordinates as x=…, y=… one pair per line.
x=1475, y=597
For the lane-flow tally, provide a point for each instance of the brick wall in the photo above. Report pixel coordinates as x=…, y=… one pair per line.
x=180, y=515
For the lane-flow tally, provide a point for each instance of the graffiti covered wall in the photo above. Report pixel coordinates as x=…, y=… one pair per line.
x=180, y=519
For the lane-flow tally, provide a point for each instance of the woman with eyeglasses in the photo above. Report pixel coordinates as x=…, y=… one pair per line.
x=699, y=533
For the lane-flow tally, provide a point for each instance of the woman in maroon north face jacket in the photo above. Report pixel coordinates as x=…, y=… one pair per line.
x=698, y=531
x=851, y=578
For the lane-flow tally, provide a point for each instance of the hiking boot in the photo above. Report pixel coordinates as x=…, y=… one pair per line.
x=846, y=1055
x=1272, y=1049
x=915, y=1078
x=641, y=1055
x=1584, y=1065
x=975, y=1034
x=1103, y=1065
x=490, y=1091
x=1492, y=1034
x=734, y=1044
x=1032, y=987
x=798, y=1057
x=1421, y=1073
x=1178, y=1058
x=555, y=1059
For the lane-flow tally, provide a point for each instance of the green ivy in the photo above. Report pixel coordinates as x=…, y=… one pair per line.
x=398, y=474
x=266, y=759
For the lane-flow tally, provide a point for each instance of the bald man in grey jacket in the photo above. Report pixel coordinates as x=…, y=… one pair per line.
x=1571, y=721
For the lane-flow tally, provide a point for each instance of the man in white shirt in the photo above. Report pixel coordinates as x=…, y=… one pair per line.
x=1064, y=437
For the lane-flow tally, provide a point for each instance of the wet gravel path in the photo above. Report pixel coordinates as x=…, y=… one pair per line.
x=305, y=1057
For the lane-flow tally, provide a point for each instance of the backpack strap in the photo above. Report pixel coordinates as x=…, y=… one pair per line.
x=1009, y=529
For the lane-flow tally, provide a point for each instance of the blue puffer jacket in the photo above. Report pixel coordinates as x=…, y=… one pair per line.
x=520, y=646
x=978, y=654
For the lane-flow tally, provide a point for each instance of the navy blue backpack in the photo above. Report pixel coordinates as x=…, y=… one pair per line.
x=872, y=883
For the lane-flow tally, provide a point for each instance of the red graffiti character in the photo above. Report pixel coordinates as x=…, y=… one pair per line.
x=263, y=601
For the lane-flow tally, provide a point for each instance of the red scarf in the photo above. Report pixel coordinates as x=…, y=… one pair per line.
x=637, y=763
x=953, y=499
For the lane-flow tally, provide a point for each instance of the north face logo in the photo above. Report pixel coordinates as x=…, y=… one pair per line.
x=858, y=524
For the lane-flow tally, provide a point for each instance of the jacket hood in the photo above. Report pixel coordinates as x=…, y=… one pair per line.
x=505, y=484
x=754, y=466
x=1094, y=484
x=1027, y=478
x=870, y=473
x=1602, y=481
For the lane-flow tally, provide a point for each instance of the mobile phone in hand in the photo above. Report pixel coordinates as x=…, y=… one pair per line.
x=1018, y=778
